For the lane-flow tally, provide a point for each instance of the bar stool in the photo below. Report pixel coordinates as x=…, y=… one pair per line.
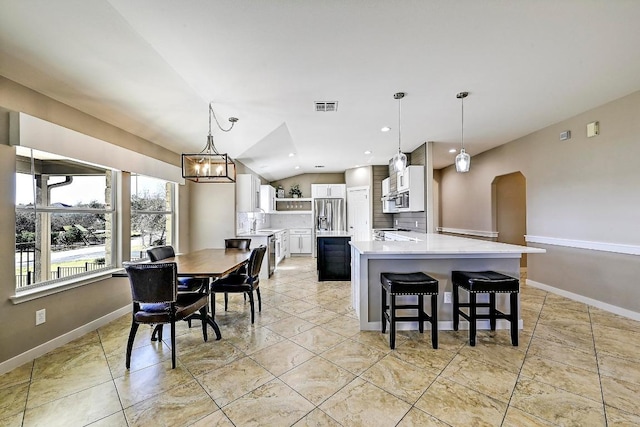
x=487, y=282
x=409, y=284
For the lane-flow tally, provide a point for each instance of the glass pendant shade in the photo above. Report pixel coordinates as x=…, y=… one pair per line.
x=463, y=161
x=399, y=162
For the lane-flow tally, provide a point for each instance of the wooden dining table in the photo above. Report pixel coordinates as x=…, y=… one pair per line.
x=209, y=263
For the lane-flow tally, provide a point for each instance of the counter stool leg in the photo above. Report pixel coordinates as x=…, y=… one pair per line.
x=421, y=318
x=472, y=319
x=456, y=307
x=492, y=311
x=384, y=309
x=514, y=318
x=392, y=322
x=434, y=321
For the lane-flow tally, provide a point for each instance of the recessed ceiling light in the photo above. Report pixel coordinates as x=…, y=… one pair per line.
x=291, y=154
x=453, y=150
x=297, y=167
x=385, y=129
x=367, y=152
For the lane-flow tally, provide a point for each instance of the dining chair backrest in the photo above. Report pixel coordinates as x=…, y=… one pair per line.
x=153, y=283
x=159, y=253
x=237, y=243
x=255, y=261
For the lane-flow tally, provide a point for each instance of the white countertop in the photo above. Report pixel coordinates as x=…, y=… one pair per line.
x=340, y=233
x=440, y=244
x=260, y=233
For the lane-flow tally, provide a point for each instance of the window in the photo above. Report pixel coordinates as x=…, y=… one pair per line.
x=152, y=214
x=64, y=218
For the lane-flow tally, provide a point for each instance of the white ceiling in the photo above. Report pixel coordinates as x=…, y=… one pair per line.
x=152, y=66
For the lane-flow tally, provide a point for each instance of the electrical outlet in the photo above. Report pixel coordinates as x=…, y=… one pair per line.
x=396, y=222
x=416, y=224
x=41, y=316
x=447, y=297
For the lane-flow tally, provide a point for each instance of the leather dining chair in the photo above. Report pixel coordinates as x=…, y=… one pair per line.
x=245, y=283
x=185, y=284
x=154, y=291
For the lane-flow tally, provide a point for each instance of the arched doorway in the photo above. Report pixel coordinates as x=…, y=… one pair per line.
x=510, y=210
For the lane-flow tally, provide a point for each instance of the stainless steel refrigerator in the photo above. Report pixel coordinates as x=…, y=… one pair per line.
x=329, y=215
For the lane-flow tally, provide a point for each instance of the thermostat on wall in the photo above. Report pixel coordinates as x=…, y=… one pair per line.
x=565, y=135
x=593, y=129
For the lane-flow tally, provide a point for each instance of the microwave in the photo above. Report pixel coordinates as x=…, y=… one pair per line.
x=402, y=200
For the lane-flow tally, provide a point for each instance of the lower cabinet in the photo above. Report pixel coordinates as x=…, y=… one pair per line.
x=334, y=258
x=300, y=241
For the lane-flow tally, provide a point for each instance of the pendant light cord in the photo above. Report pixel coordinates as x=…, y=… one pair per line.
x=462, y=99
x=399, y=123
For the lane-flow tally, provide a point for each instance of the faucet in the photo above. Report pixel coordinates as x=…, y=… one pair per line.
x=254, y=221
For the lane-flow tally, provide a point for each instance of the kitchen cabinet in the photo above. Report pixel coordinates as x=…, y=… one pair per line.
x=334, y=258
x=410, y=176
x=267, y=198
x=281, y=245
x=323, y=191
x=285, y=244
x=386, y=187
x=247, y=193
x=300, y=241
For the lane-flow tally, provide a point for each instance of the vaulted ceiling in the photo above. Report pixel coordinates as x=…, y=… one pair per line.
x=152, y=66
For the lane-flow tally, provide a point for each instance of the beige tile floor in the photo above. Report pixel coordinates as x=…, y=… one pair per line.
x=305, y=363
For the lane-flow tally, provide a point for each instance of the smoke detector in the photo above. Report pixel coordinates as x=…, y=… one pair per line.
x=326, y=106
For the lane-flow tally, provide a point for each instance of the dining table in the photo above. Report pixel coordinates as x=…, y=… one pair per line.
x=208, y=263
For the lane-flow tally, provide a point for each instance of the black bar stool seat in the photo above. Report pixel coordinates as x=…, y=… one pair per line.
x=491, y=282
x=418, y=284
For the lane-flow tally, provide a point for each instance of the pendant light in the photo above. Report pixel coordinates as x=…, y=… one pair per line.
x=400, y=159
x=463, y=160
x=209, y=165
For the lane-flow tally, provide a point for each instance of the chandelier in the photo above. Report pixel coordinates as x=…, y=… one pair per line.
x=209, y=165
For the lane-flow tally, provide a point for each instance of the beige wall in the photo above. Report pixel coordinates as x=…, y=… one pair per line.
x=581, y=189
x=73, y=308
x=305, y=180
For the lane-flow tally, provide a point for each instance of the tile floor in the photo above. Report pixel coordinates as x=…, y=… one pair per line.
x=305, y=363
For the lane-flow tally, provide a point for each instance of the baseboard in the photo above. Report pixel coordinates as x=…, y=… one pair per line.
x=42, y=349
x=586, y=300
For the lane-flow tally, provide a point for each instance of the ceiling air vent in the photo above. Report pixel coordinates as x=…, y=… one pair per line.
x=327, y=107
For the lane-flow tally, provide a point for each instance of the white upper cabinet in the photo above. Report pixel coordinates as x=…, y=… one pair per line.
x=386, y=187
x=267, y=198
x=247, y=192
x=323, y=191
x=412, y=178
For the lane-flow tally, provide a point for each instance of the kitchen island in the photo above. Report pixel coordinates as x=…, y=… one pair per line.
x=334, y=255
x=436, y=255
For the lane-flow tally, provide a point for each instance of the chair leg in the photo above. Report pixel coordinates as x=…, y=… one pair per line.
x=212, y=299
x=250, y=294
x=492, y=311
x=384, y=309
x=226, y=301
x=259, y=300
x=156, y=335
x=203, y=317
x=173, y=344
x=514, y=318
x=434, y=321
x=472, y=319
x=392, y=322
x=132, y=336
x=456, y=307
x=421, y=318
